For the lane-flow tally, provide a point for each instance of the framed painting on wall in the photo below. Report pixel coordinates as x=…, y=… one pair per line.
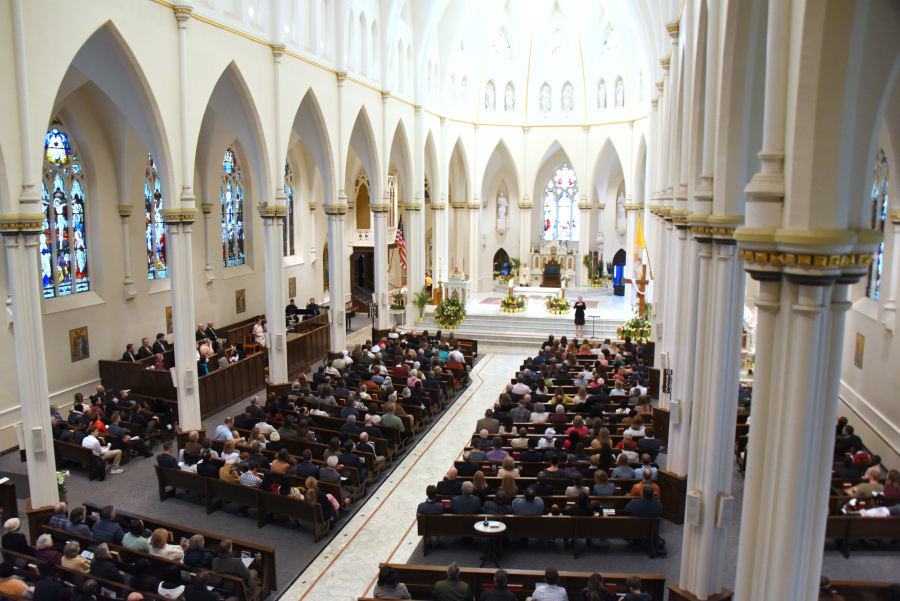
x=860, y=349
x=240, y=301
x=292, y=287
x=78, y=344
x=169, y=328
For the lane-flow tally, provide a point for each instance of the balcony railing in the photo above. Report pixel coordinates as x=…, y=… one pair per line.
x=367, y=237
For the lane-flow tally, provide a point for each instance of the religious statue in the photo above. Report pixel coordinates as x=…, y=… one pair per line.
x=567, y=98
x=464, y=94
x=601, y=96
x=620, y=207
x=524, y=274
x=620, y=94
x=489, y=96
x=502, y=203
x=510, y=98
x=545, y=98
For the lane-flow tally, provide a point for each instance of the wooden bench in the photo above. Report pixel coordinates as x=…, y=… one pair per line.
x=545, y=527
x=262, y=501
x=265, y=570
x=846, y=529
x=420, y=580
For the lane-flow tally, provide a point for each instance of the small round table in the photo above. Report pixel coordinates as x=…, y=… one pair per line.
x=491, y=532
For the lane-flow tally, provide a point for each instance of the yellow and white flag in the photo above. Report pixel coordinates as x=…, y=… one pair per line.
x=640, y=247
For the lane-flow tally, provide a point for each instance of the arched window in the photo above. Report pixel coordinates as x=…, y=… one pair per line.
x=558, y=47
x=561, y=218
x=289, y=220
x=232, y=195
x=155, y=232
x=879, y=214
x=500, y=46
x=611, y=42
x=64, y=258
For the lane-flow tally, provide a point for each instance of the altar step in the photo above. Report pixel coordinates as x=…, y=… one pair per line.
x=573, y=292
x=515, y=329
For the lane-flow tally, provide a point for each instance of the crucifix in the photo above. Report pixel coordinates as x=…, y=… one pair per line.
x=640, y=293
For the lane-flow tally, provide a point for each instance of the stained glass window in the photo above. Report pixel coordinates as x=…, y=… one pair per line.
x=63, y=245
x=289, y=220
x=611, y=42
x=232, y=196
x=558, y=47
x=561, y=215
x=500, y=46
x=155, y=229
x=879, y=215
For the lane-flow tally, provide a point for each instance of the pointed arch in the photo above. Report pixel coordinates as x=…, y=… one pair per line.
x=309, y=126
x=460, y=174
x=557, y=205
x=500, y=157
x=362, y=144
x=432, y=170
x=400, y=157
x=364, y=51
x=608, y=174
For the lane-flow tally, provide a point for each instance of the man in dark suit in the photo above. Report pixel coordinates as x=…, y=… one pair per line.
x=211, y=334
x=200, y=334
x=257, y=456
x=542, y=488
x=349, y=428
x=160, y=346
x=129, y=354
x=465, y=503
x=244, y=421
x=450, y=486
x=206, y=467
x=306, y=467
x=350, y=459
x=532, y=454
x=371, y=429
x=646, y=506
x=145, y=350
x=488, y=423
x=431, y=506
x=312, y=306
x=468, y=468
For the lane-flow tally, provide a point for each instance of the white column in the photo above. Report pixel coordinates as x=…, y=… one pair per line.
x=31, y=364
x=380, y=234
x=336, y=255
x=210, y=273
x=677, y=276
x=890, y=305
x=415, y=220
x=273, y=240
x=584, y=204
x=179, y=221
x=631, y=216
x=443, y=249
x=130, y=289
x=474, y=232
x=525, y=204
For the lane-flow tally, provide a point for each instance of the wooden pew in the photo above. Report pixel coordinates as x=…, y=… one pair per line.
x=262, y=501
x=266, y=571
x=846, y=529
x=420, y=580
x=544, y=527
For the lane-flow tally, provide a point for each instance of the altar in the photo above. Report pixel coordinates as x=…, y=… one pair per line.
x=530, y=292
x=552, y=262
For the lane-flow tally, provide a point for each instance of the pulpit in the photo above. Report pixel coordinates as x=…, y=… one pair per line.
x=551, y=275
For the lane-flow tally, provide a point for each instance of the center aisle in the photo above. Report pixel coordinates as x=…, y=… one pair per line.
x=384, y=528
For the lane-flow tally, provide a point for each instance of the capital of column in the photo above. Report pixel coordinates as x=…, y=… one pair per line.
x=664, y=63
x=183, y=12
x=335, y=209
x=124, y=211
x=341, y=77
x=178, y=216
x=680, y=218
x=381, y=207
x=654, y=103
x=278, y=52
x=894, y=218
x=601, y=205
x=768, y=183
x=416, y=204
x=385, y=94
x=672, y=30
x=475, y=201
x=21, y=223
x=525, y=202
x=207, y=208
x=272, y=212
x=634, y=207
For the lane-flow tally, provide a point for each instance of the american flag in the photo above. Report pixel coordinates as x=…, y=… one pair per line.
x=401, y=244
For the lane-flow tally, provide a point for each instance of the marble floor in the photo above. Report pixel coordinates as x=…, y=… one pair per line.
x=384, y=528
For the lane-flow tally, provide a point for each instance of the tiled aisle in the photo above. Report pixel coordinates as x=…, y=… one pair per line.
x=384, y=529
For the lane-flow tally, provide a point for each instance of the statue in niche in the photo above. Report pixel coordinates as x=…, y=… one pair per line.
x=620, y=94
x=510, y=98
x=464, y=95
x=567, y=98
x=601, y=96
x=502, y=203
x=545, y=98
x=620, y=207
x=489, y=96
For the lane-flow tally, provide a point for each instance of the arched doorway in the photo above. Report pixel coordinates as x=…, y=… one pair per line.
x=501, y=263
x=619, y=273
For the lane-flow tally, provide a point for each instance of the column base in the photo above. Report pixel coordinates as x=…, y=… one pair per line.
x=677, y=594
x=37, y=517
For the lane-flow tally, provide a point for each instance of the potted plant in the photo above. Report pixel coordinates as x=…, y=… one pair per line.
x=420, y=300
x=61, y=476
x=557, y=306
x=450, y=313
x=512, y=304
x=637, y=328
x=515, y=263
x=398, y=297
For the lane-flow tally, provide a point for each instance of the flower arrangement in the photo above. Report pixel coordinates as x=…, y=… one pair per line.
x=512, y=304
x=399, y=299
x=557, y=306
x=636, y=328
x=61, y=479
x=450, y=313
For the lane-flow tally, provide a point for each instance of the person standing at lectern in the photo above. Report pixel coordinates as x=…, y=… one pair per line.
x=580, y=306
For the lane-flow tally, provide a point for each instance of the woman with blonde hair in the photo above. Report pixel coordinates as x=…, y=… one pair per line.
x=585, y=349
x=603, y=437
x=581, y=395
x=508, y=485
x=509, y=467
x=623, y=470
x=229, y=452
x=637, y=426
x=578, y=426
x=159, y=546
x=480, y=487
x=602, y=486
x=73, y=560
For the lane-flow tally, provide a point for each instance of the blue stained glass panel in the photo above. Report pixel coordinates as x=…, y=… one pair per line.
x=79, y=240
x=46, y=250
x=500, y=46
x=56, y=147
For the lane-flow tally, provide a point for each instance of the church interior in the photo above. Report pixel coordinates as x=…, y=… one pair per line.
x=503, y=285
